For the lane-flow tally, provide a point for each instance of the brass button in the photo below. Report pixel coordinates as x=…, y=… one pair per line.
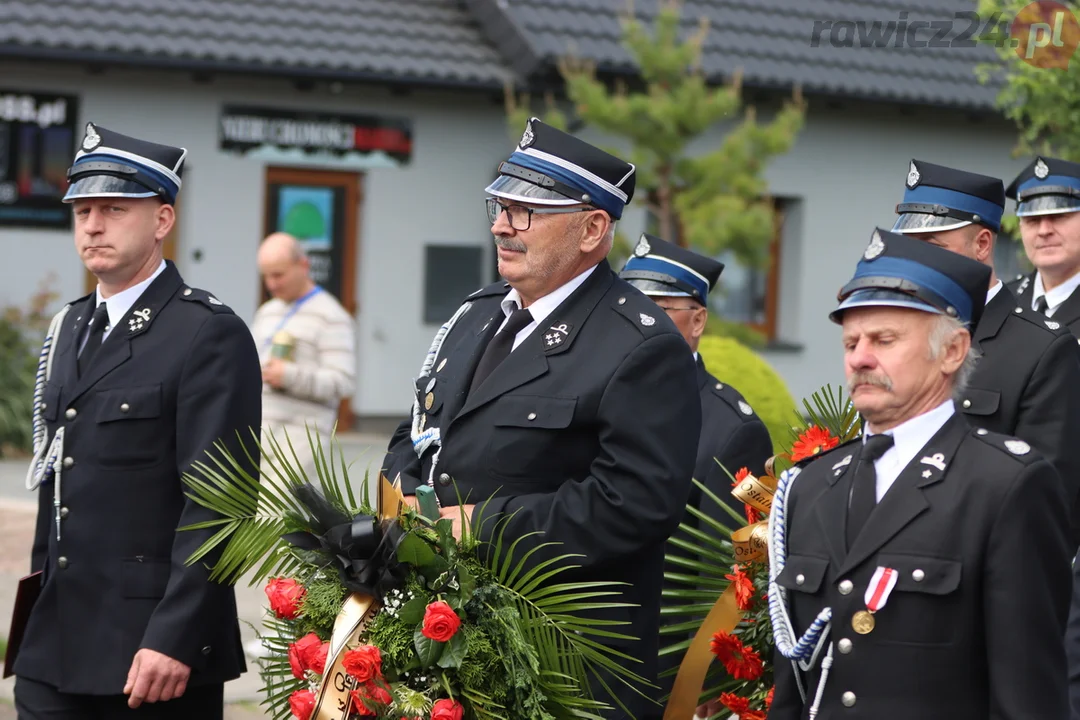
x=844, y=646
x=124, y=407
x=71, y=413
x=445, y=479
x=967, y=403
x=848, y=699
x=918, y=575
x=532, y=416
x=63, y=513
x=61, y=562
x=68, y=462
x=800, y=579
x=846, y=586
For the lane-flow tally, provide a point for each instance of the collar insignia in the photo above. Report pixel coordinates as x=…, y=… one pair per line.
x=138, y=320
x=912, y=176
x=937, y=460
x=556, y=334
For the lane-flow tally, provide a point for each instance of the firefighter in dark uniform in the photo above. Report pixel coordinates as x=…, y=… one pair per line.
x=1047, y=195
x=564, y=395
x=732, y=435
x=1027, y=380
x=144, y=376
x=921, y=571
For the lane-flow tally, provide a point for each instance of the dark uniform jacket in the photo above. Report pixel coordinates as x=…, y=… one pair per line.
x=1066, y=314
x=586, y=432
x=973, y=626
x=1027, y=384
x=177, y=374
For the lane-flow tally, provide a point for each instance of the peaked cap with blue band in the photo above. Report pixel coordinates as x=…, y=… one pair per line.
x=939, y=198
x=109, y=164
x=661, y=268
x=900, y=271
x=1047, y=186
x=550, y=167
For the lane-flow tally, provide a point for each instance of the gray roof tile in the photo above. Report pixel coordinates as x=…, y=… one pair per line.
x=769, y=39
x=434, y=41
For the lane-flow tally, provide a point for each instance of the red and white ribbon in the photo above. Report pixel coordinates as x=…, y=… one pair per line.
x=880, y=587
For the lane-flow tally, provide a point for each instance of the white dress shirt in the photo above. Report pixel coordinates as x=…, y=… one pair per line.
x=541, y=307
x=119, y=304
x=993, y=291
x=1054, y=297
x=909, y=438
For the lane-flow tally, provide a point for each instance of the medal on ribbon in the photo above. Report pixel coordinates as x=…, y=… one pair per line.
x=877, y=594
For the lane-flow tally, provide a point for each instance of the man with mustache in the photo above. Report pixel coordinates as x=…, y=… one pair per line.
x=921, y=571
x=1027, y=380
x=148, y=375
x=562, y=402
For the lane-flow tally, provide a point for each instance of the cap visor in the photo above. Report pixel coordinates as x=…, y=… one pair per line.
x=922, y=222
x=106, y=186
x=881, y=298
x=513, y=188
x=1048, y=205
x=656, y=289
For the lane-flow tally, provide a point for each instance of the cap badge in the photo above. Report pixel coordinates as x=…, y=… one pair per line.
x=875, y=248
x=92, y=139
x=913, y=175
x=527, y=137
x=647, y=320
x=643, y=247
x=1017, y=447
x=1041, y=170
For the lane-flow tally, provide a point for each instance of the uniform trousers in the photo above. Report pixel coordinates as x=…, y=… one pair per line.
x=40, y=701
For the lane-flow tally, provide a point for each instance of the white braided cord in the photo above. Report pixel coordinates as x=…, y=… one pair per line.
x=47, y=455
x=804, y=652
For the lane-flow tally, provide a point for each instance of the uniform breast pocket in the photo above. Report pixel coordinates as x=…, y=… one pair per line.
x=925, y=607
x=980, y=402
x=528, y=428
x=803, y=574
x=129, y=431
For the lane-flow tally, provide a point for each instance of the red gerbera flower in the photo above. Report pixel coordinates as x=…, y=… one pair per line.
x=734, y=703
x=814, y=441
x=744, y=588
x=769, y=697
x=741, y=663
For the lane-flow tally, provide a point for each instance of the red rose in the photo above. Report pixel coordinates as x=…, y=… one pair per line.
x=302, y=704
x=447, y=710
x=371, y=692
x=285, y=596
x=308, y=653
x=364, y=663
x=358, y=702
x=378, y=693
x=440, y=622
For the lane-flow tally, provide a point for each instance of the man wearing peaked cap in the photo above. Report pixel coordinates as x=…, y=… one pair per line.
x=1027, y=380
x=1048, y=205
x=899, y=556
x=144, y=376
x=732, y=435
x=564, y=395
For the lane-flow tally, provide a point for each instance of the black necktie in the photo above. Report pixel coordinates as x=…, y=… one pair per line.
x=98, y=323
x=864, y=487
x=1041, y=304
x=500, y=346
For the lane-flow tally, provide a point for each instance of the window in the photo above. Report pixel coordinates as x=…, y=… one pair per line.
x=451, y=272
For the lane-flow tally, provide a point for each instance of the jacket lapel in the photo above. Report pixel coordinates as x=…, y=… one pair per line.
x=116, y=349
x=1069, y=311
x=556, y=334
x=832, y=505
x=906, y=499
x=994, y=315
x=472, y=348
x=65, y=362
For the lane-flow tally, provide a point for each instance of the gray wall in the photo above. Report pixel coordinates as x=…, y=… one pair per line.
x=845, y=175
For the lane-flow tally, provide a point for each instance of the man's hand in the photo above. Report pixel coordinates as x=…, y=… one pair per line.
x=454, y=514
x=273, y=373
x=155, y=677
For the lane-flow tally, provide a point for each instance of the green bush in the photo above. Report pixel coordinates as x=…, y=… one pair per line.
x=731, y=362
x=21, y=333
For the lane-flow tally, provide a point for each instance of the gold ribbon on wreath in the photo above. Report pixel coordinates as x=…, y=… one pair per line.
x=332, y=701
x=751, y=543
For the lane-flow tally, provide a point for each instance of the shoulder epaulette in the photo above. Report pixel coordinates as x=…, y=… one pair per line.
x=492, y=290
x=1011, y=446
x=203, y=297
x=732, y=397
x=1039, y=320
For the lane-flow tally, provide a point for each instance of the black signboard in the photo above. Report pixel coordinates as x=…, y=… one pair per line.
x=37, y=146
x=244, y=129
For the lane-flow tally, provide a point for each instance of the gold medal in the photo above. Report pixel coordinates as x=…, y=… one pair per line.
x=863, y=622
x=429, y=401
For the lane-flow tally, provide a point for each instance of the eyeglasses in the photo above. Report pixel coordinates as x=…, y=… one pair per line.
x=676, y=309
x=520, y=217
